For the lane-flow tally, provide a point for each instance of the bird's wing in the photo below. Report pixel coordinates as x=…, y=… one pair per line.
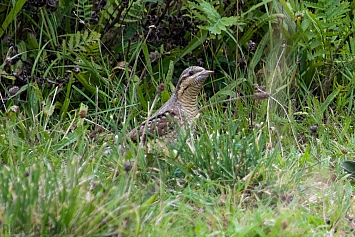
x=160, y=125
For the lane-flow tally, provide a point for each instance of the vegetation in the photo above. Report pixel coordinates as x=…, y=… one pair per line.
x=76, y=76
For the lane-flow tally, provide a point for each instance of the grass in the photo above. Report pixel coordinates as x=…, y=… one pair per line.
x=229, y=180
x=59, y=181
x=264, y=173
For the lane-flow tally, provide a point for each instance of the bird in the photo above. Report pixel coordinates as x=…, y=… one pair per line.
x=178, y=112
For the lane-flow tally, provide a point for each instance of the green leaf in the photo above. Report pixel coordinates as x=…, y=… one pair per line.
x=260, y=4
x=264, y=19
x=38, y=92
x=141, y=98
x=194, y=43
x=12, y=15
x=199, y=16
x=217, y=27
x=226, y=92
x=165, y=96
x=259, y=52
x=329, y=99
x=169, y=76
x=146, y=57
x=349, y=166
x=217, y=24
x=287, y=6
x=210, y=11
x=85, y=82
x=65, y=106
x=67, y=140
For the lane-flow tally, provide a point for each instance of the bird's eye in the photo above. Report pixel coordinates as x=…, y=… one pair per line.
x=191, y=73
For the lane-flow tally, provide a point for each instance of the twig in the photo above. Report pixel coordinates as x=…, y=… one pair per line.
x=222, y=101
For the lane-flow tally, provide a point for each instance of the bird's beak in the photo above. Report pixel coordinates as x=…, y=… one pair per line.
x=207, y=72
x=202, y=75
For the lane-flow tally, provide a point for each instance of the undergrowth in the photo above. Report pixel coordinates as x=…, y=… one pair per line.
x=268, y=150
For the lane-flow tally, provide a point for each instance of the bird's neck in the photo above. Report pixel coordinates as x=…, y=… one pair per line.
x=188, y=100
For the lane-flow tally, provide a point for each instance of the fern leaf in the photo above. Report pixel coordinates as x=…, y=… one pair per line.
x=221, y=25
x=210, y=11
x=217, y=24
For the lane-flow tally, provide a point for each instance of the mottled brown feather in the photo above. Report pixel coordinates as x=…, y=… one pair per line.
x=179, y=111
x=158, y=126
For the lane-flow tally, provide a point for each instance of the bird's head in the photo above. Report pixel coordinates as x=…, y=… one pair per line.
x=191, y=82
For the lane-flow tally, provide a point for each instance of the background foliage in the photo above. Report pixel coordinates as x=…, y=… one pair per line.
x=75, y=76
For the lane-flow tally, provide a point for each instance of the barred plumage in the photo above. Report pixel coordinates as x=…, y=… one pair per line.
x=178, y=112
